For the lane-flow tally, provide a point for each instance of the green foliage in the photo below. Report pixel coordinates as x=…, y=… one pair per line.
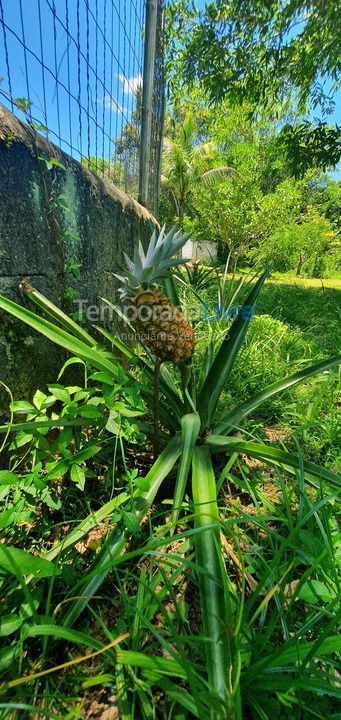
x=263, y=54
x=51, y=163
x=327, y=198
x=248, y=49
x=295, y=245
x=43, y=460
x=265, y=622
x=250, y=210
x=72, y=267
x=306, y=146
x=113, y=170
x=197, y=276
x=221, y=215
x=275, y=210
x=185, y=163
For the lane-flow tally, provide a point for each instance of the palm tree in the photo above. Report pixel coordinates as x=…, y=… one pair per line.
x=186, y=163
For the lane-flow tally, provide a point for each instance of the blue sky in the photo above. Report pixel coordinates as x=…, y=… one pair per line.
x=107, y=98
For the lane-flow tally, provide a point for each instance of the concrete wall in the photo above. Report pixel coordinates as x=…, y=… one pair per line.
x=203, y=250
x=38, y=236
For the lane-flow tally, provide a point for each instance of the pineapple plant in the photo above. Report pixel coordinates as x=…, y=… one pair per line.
x=159, y=325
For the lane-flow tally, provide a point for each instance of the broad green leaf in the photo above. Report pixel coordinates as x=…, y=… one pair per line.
x=7, y=655
x=11, y=558
x=142, y=484
x=212, y=579
x=112, y=425
x=50, y=499
x=9, y=624
x=102, y=377
x=90, y=411
x=38, y=398
x=225, y=357
x=22, y=407
x=8, y=478
x=314, y=592
x=78, y=476
x=238, y=413
x=60, y=393
x=86, y=453
x=61, y=467
x=57, y=469
x=126, y=411
x=190, y=426
x=6, y=517
x=131, y=522
x=20, y=440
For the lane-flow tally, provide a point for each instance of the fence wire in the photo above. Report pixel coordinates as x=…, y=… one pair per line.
x=158, y=112
x=74, y=68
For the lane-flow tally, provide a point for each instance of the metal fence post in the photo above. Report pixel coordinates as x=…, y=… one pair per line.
x=147, y=98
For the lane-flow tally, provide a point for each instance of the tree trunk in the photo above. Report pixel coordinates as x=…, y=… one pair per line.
x=299, y=265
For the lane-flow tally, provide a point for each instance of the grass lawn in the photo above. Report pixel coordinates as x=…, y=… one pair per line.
x=295, y=325
x=289, y=279
x=69, y=499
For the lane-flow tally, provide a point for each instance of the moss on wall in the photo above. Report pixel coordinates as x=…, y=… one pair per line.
x=48, y=217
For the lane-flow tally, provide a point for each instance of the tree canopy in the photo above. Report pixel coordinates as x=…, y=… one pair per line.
x=264, y=53
x=259, y=213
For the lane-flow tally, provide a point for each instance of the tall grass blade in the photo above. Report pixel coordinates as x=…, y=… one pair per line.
x=190, y=426
x=50, y=309
x=238, y=413
x=212, y=579
x=274, y=456
x=171, y=291
x=224, y=359
x=77, y=347
x=117, y=540
x=61, y=422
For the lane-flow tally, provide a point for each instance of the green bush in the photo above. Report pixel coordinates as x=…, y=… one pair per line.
x=302, y=247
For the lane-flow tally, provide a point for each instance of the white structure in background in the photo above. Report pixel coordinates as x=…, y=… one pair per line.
x=203, y=250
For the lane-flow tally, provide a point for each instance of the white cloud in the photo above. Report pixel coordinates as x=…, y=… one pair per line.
x=109, y=103
x=131, y=85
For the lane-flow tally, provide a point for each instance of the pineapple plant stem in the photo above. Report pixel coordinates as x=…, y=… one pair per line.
x=186, y=382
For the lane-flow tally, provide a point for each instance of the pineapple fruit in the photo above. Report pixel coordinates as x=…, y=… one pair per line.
x=158, y=324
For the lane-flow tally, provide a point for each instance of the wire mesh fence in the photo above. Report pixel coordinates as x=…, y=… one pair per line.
x=158, y=112
x=74, y=68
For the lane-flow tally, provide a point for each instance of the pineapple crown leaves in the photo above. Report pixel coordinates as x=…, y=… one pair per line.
x=154, y=264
